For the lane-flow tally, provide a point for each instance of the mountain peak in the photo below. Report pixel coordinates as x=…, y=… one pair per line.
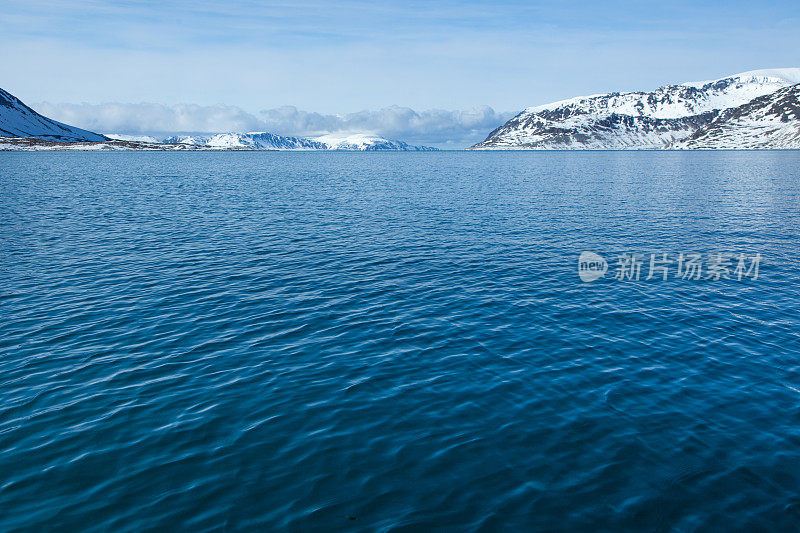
x=785, y=76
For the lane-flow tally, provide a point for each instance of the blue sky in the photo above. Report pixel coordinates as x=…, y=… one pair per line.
x=333, y=58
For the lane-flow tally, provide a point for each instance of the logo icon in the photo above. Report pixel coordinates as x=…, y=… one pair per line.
x=591, y=266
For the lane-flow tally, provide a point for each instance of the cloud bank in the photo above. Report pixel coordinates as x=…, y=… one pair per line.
x=433, y=127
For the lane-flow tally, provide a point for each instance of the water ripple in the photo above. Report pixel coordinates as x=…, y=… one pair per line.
x=206, y=341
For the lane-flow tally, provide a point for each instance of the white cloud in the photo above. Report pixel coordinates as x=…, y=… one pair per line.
x=433, y=127
x=151, y=118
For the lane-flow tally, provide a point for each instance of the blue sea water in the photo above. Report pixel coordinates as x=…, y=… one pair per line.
x=395, y=342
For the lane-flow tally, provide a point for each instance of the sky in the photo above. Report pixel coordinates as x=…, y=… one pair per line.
x=442, y=73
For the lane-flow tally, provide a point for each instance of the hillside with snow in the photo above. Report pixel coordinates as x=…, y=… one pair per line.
x=19, y=120
x=740, y=111
x=770, y=121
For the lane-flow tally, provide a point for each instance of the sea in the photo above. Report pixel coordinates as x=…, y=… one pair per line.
x=387, y=341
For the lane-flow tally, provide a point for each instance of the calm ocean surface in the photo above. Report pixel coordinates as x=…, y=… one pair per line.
x=395, y=341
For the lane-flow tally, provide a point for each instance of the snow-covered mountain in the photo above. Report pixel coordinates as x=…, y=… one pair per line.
x=22, y=126
x=756, y=109
x=19, y=120
x=251, y=141
x=271, y=141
